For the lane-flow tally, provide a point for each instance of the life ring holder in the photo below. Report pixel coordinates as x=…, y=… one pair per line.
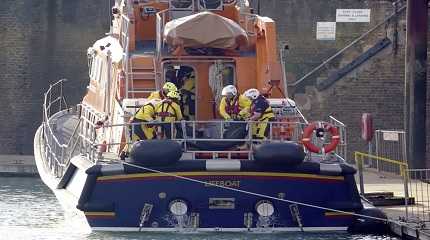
x=307, y=137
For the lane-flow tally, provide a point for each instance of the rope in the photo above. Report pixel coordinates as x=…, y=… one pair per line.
x=255, y=194
x=216, y=80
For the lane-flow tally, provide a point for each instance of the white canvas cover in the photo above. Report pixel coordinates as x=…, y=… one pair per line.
x=205, y=29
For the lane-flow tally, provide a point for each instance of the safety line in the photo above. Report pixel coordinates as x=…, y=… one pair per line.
x=255, y=194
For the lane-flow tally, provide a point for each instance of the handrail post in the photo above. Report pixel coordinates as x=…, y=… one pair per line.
x=359, y=161
x=405, y=183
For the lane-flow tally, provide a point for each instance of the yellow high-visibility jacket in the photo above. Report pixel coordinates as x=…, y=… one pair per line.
x=146, y=112
x=237, y=107
x=261, y=105
x=189, y=84
x=157, y=95
x=168, y=111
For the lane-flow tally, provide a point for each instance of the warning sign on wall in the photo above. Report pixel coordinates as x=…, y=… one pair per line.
x=352, y=15
x=326, y=30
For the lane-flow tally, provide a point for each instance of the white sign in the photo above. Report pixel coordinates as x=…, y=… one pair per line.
x=391, y=136
x=326, y=30
x=352, y=15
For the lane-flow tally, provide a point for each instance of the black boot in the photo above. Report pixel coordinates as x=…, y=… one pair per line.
x=123, y=155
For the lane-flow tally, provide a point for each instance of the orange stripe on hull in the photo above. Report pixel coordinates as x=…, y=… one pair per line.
x=217, y=174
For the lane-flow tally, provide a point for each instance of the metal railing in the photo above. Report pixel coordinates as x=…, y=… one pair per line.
x=125, y=42
x=87, y=137
x=194, y=133
x=341, y=149
x=390, y=144
x=88, y=131
x=54, y=150
x=59, y=151
x=415, y=185
x=418, y=182
x=362, y=158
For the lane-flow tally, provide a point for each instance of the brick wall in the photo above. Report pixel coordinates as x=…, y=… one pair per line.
x=42, y=41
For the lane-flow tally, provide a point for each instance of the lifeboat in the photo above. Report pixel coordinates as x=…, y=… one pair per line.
x=122, y=167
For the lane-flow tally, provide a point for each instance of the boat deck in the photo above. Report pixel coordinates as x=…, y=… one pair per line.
x=64, y=125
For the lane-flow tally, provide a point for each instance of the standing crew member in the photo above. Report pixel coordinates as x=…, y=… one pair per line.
x=233, y=106
x=137, y=132
x=188, y=93
x=261, y=112
x=169, y=111
x=161, y=94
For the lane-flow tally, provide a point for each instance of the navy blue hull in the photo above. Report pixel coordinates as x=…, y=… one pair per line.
x=117, y=200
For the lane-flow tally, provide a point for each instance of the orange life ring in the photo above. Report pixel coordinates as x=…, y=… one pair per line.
x=307, y=137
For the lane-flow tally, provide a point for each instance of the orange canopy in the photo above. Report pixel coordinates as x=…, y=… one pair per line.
x=205, y=29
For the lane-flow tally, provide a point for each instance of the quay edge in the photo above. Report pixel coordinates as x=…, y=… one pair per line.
x=17, y=166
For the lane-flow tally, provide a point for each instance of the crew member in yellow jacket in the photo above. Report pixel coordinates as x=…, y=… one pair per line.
x=169, y=111
x=261, y=112
x=142, y=131
x=161, y=94
x=232, y=105
x=188, y=96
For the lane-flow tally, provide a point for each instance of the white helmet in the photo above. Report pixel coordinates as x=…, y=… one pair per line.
x=229, y=90
x=252, y=93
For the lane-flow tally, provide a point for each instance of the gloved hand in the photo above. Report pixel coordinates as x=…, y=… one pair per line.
x=99, y=124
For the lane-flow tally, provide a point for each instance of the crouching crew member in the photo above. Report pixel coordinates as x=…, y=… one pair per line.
x=232, y=105
x=142, y=131
x=169, y=111
x=261, y=112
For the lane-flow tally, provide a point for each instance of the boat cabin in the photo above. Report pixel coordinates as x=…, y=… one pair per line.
x=200, y=46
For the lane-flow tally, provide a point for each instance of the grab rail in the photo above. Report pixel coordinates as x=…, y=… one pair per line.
x=213, y=131
x=56, y=152
x=54, y=149
x=86, y=136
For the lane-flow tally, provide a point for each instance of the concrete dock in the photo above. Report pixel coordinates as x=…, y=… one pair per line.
x=18, y=165
x=406, y=221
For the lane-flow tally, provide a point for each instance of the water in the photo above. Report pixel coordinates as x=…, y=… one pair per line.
x=29, y=210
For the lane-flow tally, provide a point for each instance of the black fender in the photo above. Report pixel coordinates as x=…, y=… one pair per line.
x=282, y=153
x=155, y=153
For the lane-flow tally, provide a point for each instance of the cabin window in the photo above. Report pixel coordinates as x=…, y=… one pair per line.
x=210, y=4
x=181, y=4
x=225, y=71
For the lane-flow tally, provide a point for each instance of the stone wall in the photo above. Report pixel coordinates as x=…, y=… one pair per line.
x=42, y=41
